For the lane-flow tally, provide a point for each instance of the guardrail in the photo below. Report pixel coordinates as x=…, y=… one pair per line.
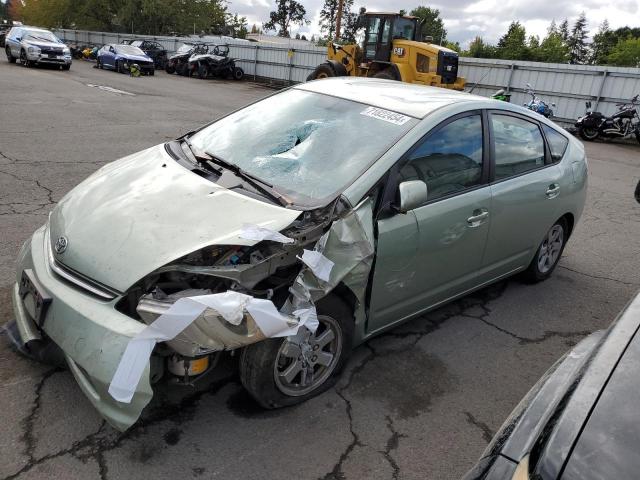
x=568, y=86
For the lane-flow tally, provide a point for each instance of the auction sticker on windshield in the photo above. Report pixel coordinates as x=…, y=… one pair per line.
x=386, y=115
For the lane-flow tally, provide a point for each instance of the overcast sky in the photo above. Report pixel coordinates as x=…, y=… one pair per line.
x=464, y=19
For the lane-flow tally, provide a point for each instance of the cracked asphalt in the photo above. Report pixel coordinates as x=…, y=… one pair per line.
x=419, y=402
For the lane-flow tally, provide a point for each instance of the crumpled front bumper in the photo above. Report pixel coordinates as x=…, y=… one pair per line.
x=91, y=332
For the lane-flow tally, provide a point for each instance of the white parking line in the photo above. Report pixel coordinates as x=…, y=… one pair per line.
x=111, y=89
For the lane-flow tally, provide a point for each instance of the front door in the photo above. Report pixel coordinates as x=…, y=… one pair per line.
x=434, y=252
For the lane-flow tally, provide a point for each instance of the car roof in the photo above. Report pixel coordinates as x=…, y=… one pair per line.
x=409, y=99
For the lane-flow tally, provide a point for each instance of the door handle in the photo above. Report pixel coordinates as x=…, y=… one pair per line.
x=553, y=190
x=478, y=217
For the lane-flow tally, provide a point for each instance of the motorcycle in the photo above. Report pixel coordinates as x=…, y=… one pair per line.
x=622, y=124
x=538, y=105
x=501, y=95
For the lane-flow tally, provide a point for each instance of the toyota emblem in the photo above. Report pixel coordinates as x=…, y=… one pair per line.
x=61, y=244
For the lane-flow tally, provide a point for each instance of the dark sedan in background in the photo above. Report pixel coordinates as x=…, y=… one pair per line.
x=582, y=419
x=153, y=49
x=121, y=57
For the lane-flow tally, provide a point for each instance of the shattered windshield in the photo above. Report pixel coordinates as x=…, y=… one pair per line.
x=307, y=145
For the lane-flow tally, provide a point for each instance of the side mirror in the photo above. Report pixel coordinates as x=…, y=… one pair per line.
x=413, y=193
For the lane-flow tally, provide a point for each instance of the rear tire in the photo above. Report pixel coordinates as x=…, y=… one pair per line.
x=548, y=254
x=238, y=73
x=263, y=365
x=169, y=69
x=323, y=70
x=10, y=58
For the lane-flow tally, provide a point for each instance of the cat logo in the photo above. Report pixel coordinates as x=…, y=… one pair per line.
x=399, y=51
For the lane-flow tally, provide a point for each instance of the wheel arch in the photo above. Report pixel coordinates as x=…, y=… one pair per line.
x=570, y=219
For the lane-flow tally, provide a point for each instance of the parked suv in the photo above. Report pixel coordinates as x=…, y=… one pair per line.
x=36, y=46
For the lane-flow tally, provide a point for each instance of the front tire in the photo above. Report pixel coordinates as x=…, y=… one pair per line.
x=385, y=74
x=548, y=254
x=203, y=72
x=10, y=58
x=588, y=134
x=169, y=69
x=282, y=372
x=323, y=70
x=24, y=60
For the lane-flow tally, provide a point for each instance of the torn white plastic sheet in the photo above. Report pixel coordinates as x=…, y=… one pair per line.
x=230, y=305
x=258, y=233
x=320, y=265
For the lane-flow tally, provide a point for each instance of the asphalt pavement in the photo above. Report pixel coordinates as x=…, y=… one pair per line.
x=419, y=402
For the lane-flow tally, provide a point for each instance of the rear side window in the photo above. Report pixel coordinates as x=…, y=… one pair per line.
x=449, y=160
x=519, y=146
x=557, y=143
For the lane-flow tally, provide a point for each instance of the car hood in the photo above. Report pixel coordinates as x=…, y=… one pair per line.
x=41, y=44
x=143, y=211
x=608, y=444
x=135, y=58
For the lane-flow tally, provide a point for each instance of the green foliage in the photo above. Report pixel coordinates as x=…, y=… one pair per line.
x=512, y=45
x=553, y=49
x=626, y=53
x=287, y=12
x=433, y=24
x=151, y=17
x=577, y=41
x=329, y=17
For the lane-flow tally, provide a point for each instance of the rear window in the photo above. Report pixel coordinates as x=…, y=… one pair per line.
x=557, y=143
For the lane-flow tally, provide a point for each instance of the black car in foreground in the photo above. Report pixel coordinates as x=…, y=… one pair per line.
x=582, y=419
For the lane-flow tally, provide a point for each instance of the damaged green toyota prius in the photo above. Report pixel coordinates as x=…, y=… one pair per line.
x=290, y=231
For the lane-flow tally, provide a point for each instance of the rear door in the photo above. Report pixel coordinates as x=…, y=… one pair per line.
x=435, y=251
x=525, y=188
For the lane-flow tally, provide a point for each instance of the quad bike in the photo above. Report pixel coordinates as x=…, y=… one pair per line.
x=538, y=105
x=179, y=61
x=215, y=63
x=622, y=124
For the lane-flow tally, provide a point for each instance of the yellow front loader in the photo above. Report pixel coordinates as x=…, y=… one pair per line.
x=392, y=49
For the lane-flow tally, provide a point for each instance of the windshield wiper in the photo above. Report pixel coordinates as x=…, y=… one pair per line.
x=257, y=182
x=211, y=162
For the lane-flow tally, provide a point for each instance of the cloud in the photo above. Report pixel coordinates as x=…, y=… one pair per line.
x=465, y=19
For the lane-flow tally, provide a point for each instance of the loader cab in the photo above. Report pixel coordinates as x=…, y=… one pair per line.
x=380, y=31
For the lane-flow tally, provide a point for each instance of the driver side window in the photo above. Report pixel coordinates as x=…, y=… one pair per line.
x=449, y=160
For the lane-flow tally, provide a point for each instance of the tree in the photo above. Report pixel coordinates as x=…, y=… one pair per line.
x=433, y=24
x=237, y=25
x=603, y=43
x=512, y=45
x=577, y=42
x=553, y=49
x=350, y=27
x=476, y=48
x=563, y=30
x=534, y=48
x=287, y=12
x=254, y=29
x=329, y=17
x=455, y=46
x=626, y=53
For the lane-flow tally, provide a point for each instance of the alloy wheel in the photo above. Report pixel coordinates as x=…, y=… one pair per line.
x=550, y=249
x=305, y=361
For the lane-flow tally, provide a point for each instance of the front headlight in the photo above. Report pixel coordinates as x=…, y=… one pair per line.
x=33, y=50
x=66, y=51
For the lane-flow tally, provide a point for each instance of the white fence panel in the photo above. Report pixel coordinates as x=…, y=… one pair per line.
x=568, y=86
